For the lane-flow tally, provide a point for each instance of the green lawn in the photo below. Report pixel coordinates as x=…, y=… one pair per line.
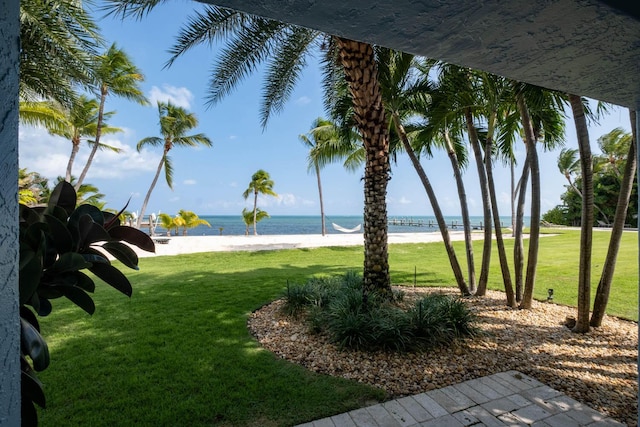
x=178, y=352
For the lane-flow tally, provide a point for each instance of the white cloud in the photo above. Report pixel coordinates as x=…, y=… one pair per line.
x=174, y=199
x=303, y=100
x=233, y=184
x=180, y=96
x=232, y=137
x=287, y=199
x=49, y=155
x=189, y=182
x=404, y=201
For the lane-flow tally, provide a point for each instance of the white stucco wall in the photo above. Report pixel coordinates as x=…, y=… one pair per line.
x=9, y=317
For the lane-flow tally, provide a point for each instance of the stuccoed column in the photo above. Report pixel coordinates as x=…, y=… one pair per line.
x=9, y=302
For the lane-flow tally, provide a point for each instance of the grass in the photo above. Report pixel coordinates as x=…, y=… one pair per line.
x=179, y=353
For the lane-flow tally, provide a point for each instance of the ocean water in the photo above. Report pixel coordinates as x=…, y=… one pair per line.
x=232, y=225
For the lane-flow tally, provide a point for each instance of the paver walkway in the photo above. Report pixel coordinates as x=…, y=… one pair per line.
x=507, y=398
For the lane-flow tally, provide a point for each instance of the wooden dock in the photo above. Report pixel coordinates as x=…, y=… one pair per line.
x=411, y=222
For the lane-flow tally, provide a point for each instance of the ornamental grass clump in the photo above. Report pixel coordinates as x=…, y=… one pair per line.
x=354, y=320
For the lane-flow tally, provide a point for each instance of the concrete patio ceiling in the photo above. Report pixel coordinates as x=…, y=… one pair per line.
x=586, y=47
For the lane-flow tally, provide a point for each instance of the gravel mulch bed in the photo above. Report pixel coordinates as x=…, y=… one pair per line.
x=598, y=368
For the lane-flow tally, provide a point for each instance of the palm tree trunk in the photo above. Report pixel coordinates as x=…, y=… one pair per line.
x=324, y=229
x=513, y=198
x=534, y=228
x=586, y=228
x=255, y=212
x=626, y=186
x=148, y=196
x=502, y=253
x=75, y=146
x=453, y=260
x=486, y=202
x=96, y=144
x=518, y=245
x=462, y=195
x=361, y=75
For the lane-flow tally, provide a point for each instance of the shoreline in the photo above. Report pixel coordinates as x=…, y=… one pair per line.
x=177, y=245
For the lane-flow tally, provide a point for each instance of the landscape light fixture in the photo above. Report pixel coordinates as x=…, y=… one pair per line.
x=549, y=295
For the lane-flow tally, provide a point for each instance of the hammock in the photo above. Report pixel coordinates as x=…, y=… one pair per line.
x=346, y=230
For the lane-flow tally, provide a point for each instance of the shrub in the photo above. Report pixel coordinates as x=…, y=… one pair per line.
x=337, y=306
x=57, y=242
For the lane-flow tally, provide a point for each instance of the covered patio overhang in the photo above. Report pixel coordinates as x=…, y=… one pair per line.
x=585, y=47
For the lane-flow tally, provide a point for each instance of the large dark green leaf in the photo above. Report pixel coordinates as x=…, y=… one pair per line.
x=30, y=272
x=113, y=277
x=92, y=211
x=34, y=235
x=29, y=316
x=47, y=292
x=64, y=196
x=94, y=256
x=58, y=212
x=84, y=282
x=70, y=261
x=79, y=298
x=62, y=239
x=133, y=236
x=32, y=388
x=44, y=307
x=95, y=234
x=33, y=345
x=122, y=253
x=111, y=220
x=28, y=215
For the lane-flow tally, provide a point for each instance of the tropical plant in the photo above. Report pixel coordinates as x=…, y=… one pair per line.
x=190, y=220
x=56, y=244
x=56, y=45
x=33, y=188
x=626, y=186
x=175, y=122
x=252, y=217
x=253, y=40
x=78, y=122
x=261, y=183
x=115, y=74
x=168, y=222
x=323, y=133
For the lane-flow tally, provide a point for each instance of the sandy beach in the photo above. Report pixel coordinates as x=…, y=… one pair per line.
x=176, y=245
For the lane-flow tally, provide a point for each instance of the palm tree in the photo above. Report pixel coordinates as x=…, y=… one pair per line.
x=253, y=40
x=322, y=133
x=115, y=74
x=626, y=186
x=78, y=122
x=56, y=44
x=175, y=122
x=614, y=145
x=190, y=220
x=261, y=183
x=586, y=228
x=248, y=217
x=168, y=222
x=33, y=188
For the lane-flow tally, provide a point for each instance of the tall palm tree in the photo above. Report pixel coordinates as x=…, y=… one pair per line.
x=285, y=48
x=78, y=122
x=626, y=186
x=323, y=133
x=586, y=228
x=261, y=183
x=406, y=93
x=614, y=146
x=57, y=41
x=115, y=74
x=175, y=122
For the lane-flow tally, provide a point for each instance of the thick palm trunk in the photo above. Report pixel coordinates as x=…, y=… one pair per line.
x=255, y=212
x=96, y=144
x=148, y=196
x=534, y=228
x=513, y=197
x=362, y=77
x=518, y=244
x=586, y=228
x=464, y=208
x=324, y=229
x=502, y=253
x=626, y=186
x=453, y=260
x=75, y=146
x=486, y=202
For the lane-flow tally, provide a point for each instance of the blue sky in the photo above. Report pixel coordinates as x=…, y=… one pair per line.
x=210, y=181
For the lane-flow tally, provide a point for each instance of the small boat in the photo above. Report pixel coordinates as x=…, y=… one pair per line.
x=346, y=230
